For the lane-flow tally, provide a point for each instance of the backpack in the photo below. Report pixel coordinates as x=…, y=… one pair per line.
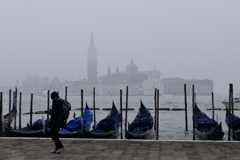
x=66, y=107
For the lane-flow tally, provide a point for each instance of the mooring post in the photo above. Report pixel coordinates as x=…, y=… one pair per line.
x=126, y=108
x=20, y=110
x=66, y=88
x=157, y=114
x=31, y=109
x=1, y=127
x=193, y=107
x=213, y=105
x=81, y=102
x=48, y=107
x=15, y=105
x=231, y=110
x=121, y=113
x=155, y=109
x=94, y=112
x=228, y=112
x=185, y=101
x=10, y=98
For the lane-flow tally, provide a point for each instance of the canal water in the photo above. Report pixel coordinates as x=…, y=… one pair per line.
x=171, y=123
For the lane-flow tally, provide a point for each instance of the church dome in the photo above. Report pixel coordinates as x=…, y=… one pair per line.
x=131, y=67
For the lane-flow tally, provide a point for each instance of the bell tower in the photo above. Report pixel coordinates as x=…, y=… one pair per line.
x=92, y=63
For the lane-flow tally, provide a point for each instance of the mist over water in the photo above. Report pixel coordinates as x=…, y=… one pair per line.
x=186, y=39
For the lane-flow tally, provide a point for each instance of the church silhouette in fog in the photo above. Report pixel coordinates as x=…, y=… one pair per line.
x=138, y=82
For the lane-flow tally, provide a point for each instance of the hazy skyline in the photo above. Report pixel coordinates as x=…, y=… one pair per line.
x=187, y=39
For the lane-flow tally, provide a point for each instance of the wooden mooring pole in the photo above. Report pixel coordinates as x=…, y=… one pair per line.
x=212, y=105
x=185, y=102
x=193, y=107
x=121, y=113
x=94, y=107
x=10, y=98
x=232, y=106
x=157, y=135
x=1, y=105
x=48, y=107
x=81, y=102
x=15, y=105
x=230, y=111
x=31, y=109
x=20, y=110
x=155, y=109
x=66, y=88
x=126, y=118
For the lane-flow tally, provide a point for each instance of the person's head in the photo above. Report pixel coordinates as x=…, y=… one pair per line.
x=54, y=95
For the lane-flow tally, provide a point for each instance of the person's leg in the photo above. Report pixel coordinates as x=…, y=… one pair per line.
x=55, y=138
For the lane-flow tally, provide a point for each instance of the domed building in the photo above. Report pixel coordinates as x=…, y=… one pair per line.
x=138, y=82
x=131, y=67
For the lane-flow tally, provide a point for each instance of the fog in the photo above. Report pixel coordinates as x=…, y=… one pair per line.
x=186, y=39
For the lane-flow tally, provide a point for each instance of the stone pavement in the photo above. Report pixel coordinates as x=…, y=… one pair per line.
x=96, y=149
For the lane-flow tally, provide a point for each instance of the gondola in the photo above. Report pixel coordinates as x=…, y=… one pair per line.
x=142, y=125
x=9, y=117
x=107, y=127
x=36, y=130
x=235, y=126
x=77, y=127
x=205, y=127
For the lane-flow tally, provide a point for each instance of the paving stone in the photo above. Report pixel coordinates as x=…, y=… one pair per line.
x=92, y=149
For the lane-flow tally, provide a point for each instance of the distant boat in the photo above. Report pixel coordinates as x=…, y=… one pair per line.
x=45, y=93
x=236, y=103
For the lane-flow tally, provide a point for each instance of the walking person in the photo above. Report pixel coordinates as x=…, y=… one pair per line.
x=55, y=122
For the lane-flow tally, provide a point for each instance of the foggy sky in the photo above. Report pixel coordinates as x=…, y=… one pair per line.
x=187, y=39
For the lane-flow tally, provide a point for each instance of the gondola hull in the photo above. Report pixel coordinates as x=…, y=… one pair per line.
x=205, y=127
x=96, y=133
x=107, y=127
x=211, y=135
x=25, y=132
x=142, y=125
x=236, y=134
x=77, y=134
x=235, y=126
x=139, y=134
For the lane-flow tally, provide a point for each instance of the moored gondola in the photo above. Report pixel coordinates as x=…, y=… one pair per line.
x=142, y=125
x=107, y=127
x=77, y=127
x=36, y=130
x=205, y=127
x=235, y=126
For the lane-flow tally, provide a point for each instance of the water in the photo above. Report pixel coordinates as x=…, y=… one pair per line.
x=171, y=123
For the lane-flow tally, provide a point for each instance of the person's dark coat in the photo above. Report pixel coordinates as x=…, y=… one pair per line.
x=55, y=113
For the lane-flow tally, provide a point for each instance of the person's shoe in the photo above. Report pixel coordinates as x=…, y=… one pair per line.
x=59, y=150
x=54, y=151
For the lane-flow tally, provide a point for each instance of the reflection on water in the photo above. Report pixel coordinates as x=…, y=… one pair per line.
x=171, y=123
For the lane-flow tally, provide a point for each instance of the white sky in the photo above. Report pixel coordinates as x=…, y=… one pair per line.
x=181, y=38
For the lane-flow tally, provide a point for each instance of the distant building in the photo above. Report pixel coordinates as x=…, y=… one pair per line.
x=92, y=63
x=138, y=82
x=175, y=86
